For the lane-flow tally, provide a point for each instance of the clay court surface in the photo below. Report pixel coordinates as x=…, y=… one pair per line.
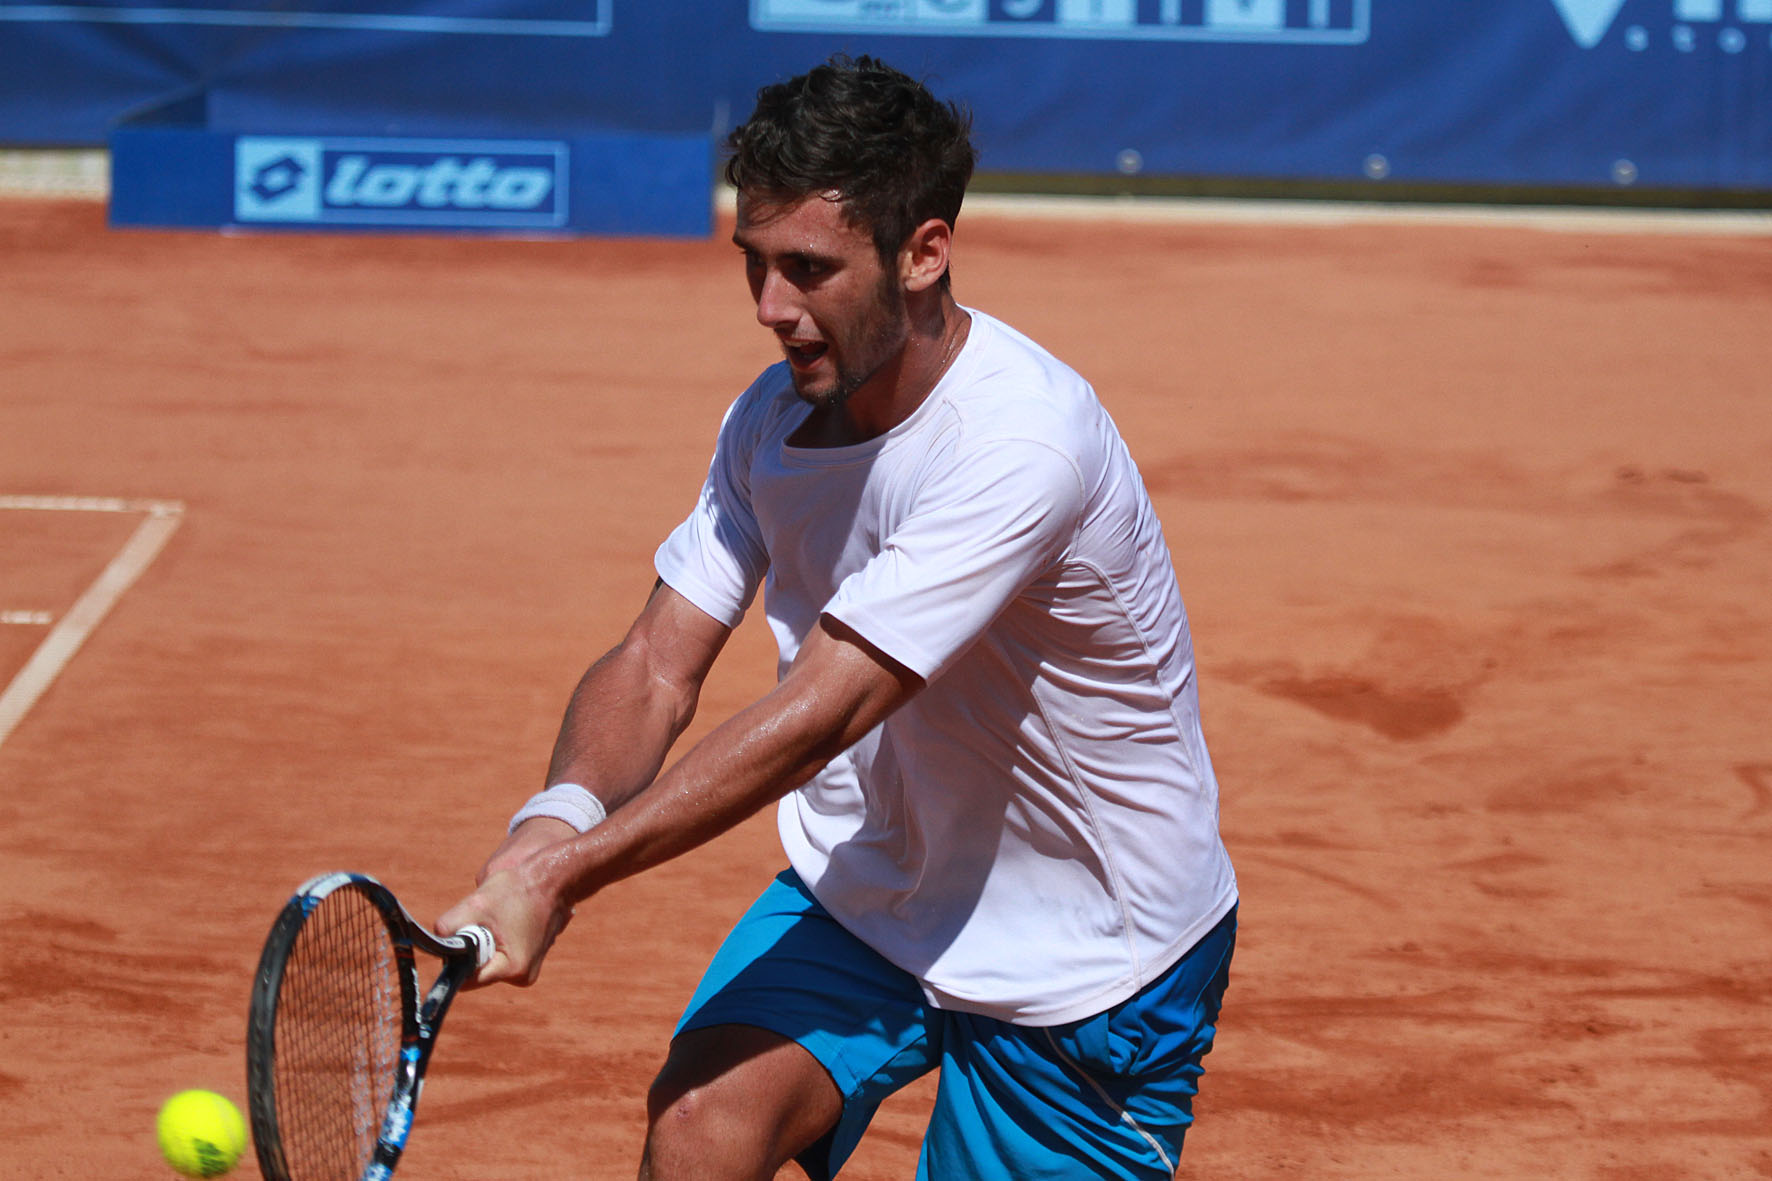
x=1473, y=525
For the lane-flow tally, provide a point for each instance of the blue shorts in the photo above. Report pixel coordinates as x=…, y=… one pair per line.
x=1110, y=1096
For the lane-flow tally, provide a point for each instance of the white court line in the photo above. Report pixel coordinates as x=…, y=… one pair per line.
x=1276, y=212
x=161, y=518
x=83, y=173
x=1344, y=213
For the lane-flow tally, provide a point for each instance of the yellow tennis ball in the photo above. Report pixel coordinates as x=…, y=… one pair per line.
x=201, y=1133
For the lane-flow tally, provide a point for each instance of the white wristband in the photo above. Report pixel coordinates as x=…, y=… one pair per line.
x=563, y=801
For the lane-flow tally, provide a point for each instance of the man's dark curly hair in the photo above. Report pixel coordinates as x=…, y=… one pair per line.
x=893, y=153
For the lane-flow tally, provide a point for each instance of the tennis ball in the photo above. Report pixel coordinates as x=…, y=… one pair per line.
x=201, y=1133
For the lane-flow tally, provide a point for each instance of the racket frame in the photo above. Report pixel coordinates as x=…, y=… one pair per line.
x=461, y=954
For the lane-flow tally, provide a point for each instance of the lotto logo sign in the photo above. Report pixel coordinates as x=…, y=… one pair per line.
x=389, y=182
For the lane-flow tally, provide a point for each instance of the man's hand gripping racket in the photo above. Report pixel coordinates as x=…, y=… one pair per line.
x=338, y=1037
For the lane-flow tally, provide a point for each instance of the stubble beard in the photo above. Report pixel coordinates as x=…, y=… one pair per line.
x=882, y=338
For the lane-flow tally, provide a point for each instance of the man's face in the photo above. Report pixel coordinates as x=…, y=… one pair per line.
x=821, y=288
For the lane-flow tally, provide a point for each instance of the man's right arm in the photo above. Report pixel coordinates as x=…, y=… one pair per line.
x=627, y=711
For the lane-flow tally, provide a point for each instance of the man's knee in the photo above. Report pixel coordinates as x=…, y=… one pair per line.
x=679, y=1118
x=698, y=1131
x=735, y=1101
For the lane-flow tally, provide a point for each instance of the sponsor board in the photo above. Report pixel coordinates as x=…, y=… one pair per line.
x=482, y=184
x=1322, y=22
x=1678, y=26
x=168, y=172
x=529, y=18
x=1685, y=26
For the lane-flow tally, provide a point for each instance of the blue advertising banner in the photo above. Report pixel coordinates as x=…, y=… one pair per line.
x=612, y=183
x=71, y=71
x=1668, y=94
x=1598, y=93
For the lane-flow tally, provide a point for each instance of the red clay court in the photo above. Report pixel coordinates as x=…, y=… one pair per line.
x=1473, y=524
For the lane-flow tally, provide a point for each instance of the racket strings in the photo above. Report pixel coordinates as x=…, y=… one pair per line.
x=338, y=1038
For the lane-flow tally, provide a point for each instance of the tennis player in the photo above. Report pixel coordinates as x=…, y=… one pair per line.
x=984, y=742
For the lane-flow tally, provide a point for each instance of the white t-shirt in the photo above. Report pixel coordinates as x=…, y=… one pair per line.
x=1034, y=836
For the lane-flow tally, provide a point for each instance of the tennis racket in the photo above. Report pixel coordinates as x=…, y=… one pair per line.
x=337, y=1039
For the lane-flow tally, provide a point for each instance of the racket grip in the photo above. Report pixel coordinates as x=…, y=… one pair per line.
x=482, y=940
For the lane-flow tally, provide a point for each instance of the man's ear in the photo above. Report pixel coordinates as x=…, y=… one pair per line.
x=923, y=259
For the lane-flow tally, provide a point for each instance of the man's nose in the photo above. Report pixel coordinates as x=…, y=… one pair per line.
x=776, y=307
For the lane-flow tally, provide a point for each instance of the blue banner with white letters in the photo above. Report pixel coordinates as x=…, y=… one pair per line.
x=491, y=184
x=1585, y=93
x=609, y=183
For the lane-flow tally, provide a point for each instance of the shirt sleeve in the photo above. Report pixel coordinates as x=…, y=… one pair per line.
x=715, y=558
x=979, y=533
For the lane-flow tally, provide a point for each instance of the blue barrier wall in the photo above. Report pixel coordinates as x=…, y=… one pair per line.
x=1664, y=93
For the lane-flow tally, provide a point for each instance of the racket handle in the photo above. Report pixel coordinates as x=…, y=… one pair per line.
x=482, y=940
